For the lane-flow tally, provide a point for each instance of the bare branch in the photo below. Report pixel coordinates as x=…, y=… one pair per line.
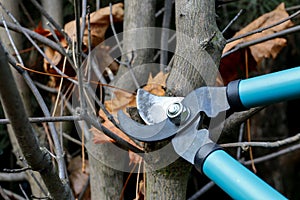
x=235, y=120
x=279, y=143
x=51, y=20
x=262, y=39
x=232, y=21
x=273, y=155
x=21, y=176
x=36, y=158
x=200, y=192
x=264, y=28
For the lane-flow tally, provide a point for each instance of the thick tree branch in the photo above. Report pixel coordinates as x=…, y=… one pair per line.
x=38, y=160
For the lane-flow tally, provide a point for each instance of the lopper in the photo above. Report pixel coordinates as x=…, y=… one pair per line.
x=191, y=123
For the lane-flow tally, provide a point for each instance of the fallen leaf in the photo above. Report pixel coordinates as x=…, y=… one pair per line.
x=120, y=101
x=157, y=84
x=99, y=21
x=100, y=137
x=231, y=65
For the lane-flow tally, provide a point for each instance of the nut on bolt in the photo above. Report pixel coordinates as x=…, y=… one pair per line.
x=177, y=113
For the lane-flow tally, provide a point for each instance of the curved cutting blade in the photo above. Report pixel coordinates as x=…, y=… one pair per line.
x=152, y=108
x=146, y=133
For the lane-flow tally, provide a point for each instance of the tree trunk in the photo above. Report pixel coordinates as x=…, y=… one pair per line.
x=138, y=14
x=196, y=61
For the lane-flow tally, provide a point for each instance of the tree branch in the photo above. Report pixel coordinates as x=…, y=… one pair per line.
x=36, y=158
x=279, y=143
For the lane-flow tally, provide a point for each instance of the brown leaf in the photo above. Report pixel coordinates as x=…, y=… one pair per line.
x=99, y=21
x=157, y=84
x=235, y=62
x=100, y=137
x=120, y=101
x=78, y=178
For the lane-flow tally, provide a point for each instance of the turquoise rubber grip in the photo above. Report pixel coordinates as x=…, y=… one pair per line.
x=236, y=180
x=270, y=88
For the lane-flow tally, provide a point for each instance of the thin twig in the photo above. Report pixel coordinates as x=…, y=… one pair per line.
x=7, y=193
x=60, y=160
x=51, y=20
x=232, y=21
x=273, y=155
x=204, y=189
x=262, y=39
x=24, y=132
x=11, y=177
x=259, y=30
x=35, y=36
x=71, y=139
x=276, y=144
x=17, y=170
x=23, y=192
x=113, y=29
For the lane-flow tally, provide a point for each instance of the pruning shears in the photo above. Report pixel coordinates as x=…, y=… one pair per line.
x=184, y=121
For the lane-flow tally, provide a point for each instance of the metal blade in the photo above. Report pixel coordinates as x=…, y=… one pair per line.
x=152, y=108
x=187, y=143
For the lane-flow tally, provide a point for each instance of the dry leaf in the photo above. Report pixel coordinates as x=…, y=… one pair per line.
x=120, y=101
x=100, y=137
x=235, y=62
x=99, y=21
x=157, y=84
x=78, y=178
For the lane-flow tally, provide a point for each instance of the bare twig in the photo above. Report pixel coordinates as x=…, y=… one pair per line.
x=46, y=119
x=232, y=21
x=264, y=28
x=51, y=20
x=39, y=98
x=273, y=155
x=113, y=29
x=71, y=139
x=236, y=119
x=204, y=189
x=262, y=39
x=21, y=176
x=276, y=144
x=17, y=170
x=7, y=193
x=24, y=132
x=23, y=192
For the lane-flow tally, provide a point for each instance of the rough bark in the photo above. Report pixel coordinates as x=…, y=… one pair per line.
x=197, y=55
x=137, y=14
x=36, y=158
x=199, y=46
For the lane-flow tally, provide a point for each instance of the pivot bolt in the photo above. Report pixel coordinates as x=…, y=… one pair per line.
x=177, y=113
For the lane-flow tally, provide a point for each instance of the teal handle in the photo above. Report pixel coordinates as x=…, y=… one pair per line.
x=270, y=88
x=236, y=180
